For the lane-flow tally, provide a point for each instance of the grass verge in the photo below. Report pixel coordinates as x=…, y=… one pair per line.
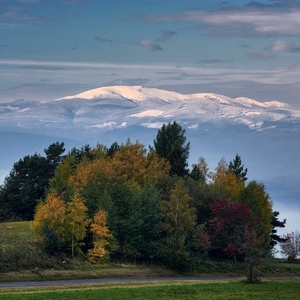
x=267, y=290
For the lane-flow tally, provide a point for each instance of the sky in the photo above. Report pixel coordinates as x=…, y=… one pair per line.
x=54, y=48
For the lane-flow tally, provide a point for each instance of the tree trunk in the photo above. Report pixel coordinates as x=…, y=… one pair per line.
x=72, y=246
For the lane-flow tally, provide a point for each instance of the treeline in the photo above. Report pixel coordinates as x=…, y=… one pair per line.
x=132, y=203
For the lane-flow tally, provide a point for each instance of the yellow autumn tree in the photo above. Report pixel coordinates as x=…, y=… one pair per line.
x=158, y=168
x=130, y=163
x=67, y=221
x=226, y=182
x=50, y=214
x=76, y=222
x=101, y=237
x=87, y=170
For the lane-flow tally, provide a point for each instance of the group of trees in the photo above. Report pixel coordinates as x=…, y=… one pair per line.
x=132, y=203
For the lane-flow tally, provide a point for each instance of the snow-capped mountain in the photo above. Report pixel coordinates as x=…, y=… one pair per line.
x=265, y=134
x=125, y=106
x=151, y=107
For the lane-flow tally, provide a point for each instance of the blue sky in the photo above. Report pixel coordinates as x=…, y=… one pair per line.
x=53, y=48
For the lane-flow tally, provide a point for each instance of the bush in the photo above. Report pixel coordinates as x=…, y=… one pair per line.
x=24, y=254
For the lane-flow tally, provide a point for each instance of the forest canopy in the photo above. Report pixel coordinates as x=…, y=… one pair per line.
x=129, y=202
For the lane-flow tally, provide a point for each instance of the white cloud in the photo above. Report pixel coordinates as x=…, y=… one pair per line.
x=19, y=82
x=147, y=44
x=246, y=20
x=282, y=46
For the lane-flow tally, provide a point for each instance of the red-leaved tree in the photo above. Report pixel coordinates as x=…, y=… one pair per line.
x=229, y=225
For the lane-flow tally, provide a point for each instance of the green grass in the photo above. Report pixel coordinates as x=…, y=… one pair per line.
x=270, y=290
x=10, y=232
x=283, y=264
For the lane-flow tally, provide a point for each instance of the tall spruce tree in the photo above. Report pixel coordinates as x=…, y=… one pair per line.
x=170, y=143
x=238, y=169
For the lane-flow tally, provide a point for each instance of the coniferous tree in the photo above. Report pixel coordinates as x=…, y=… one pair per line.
x=200, y=170
x=276, y=223
x=170, y=143
x=27, y=182
x=238, y=169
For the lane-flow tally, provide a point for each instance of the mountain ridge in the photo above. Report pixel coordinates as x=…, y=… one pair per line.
x=140, y=93
x=123, y=106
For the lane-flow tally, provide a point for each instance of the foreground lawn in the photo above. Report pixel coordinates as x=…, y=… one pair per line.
x=269, y=290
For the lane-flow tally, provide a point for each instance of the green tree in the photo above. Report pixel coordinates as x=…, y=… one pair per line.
x=259, y=201
x=170, y=143
x=146, y=223
x=178, y=222
x=200, y=170
x=113, y=149
x=54, y=156
x=276, y=223
x=27, y=182
x=23, y=187
x=238, y=169
x=120, y=215
x=96, y=194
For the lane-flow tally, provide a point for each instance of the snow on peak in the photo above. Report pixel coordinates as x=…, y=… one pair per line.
x=139, y=93
x=249, y=102
x=211, y=96
x=136, y=93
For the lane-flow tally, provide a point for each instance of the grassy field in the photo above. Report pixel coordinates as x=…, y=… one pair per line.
x=269, y=290
x=10, y=232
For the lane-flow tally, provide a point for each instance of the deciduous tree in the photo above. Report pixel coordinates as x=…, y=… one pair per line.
x=146, y=223
x=51, y=215
x=225, y=182
x=178, y=222
x=255, y=196
x=229, y=223
x=291, y=246
x=101, y=237
x=76, y=222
